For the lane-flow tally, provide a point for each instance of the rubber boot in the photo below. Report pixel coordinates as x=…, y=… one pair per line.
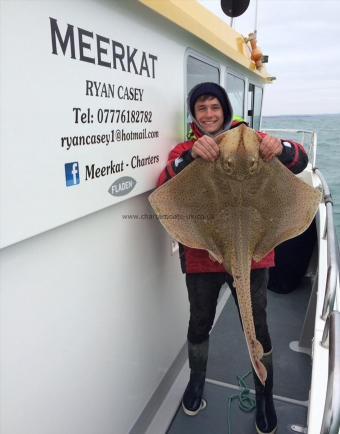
x=266, y=420
x=192, y=401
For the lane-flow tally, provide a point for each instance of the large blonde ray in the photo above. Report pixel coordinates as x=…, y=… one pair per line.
x=238, y=208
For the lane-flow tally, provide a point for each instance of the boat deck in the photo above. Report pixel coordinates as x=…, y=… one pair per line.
x=228, y=358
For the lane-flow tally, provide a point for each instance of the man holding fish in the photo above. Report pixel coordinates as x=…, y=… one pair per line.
x=212, y=114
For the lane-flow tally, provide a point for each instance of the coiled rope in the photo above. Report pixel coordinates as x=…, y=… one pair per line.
x=245, y=402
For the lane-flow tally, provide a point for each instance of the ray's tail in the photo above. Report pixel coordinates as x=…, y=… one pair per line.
x=242, y=284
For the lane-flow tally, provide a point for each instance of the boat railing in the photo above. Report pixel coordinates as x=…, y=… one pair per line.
x=303, y=136
x=333, y=258
x=331, y=315
x=331, y=303
x=331, y=415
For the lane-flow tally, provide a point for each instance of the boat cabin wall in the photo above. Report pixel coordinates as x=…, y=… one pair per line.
x=94, y=308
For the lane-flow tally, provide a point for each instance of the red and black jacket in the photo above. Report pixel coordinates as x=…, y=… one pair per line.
x=293, y=157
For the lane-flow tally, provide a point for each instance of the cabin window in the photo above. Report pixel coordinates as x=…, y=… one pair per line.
x=199, y=71
x=254, y=106
x=236, y=89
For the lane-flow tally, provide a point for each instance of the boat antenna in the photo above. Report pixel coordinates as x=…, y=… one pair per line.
x=256, y=11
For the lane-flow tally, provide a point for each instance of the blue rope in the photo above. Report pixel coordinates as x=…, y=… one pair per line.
x=246, y=403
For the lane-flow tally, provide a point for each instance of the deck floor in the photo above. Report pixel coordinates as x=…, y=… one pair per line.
x=228, y=358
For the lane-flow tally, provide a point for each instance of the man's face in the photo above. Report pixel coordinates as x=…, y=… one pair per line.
x=209, y=114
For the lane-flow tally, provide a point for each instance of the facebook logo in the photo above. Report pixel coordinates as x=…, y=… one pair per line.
x=72, y=174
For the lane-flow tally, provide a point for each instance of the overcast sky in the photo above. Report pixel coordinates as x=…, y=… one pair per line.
x=302, y=39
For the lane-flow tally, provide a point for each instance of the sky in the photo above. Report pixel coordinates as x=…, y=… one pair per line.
x=302, y=40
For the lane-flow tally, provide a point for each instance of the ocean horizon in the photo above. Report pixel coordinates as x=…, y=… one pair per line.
x=303, y=115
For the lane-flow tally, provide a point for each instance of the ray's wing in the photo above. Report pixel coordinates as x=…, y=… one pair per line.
x=188, y=204
x=287, y=206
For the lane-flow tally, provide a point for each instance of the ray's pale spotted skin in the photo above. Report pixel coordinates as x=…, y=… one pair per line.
x=238, y=208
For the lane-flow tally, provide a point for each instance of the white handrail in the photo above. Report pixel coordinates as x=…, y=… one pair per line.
x=331, y=332
x=312, y=145
x=333, y=260
x=331, y=416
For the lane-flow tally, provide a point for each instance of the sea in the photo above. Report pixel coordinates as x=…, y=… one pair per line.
x=327, y=127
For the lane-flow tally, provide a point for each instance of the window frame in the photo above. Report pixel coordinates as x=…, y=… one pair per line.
x=255, y=85
x=241, y=77
x=223, y=70
x=202, y=58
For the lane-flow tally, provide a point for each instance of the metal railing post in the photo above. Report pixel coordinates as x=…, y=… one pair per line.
x=332, y=257
x=331, y=415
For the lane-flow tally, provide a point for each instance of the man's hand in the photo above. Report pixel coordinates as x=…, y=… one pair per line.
x=270, y=147
x=206, y=148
